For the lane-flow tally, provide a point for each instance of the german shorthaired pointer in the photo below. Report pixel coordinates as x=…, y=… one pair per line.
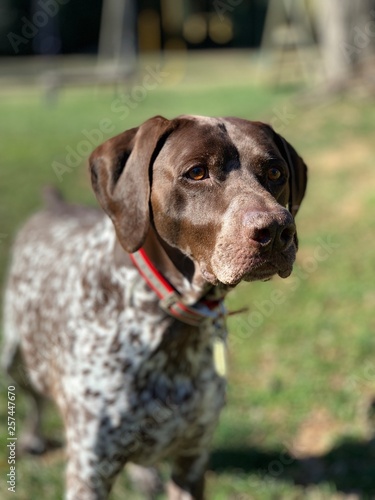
x=119, y=317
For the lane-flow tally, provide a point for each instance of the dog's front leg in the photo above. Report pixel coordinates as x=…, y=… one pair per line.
x=88, y=477
x=187, y=482
x=92, y=461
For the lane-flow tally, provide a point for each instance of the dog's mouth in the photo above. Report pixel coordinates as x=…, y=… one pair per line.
x=253, y=269
x=266, y=272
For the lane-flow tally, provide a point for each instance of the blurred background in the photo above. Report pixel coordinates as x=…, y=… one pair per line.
x=301, y=412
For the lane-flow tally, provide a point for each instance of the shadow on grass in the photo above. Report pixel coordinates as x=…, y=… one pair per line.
x=350, y=466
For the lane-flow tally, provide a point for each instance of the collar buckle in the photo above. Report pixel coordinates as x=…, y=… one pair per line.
x=169, y=301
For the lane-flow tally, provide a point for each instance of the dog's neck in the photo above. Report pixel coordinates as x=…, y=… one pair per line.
x=177, y=268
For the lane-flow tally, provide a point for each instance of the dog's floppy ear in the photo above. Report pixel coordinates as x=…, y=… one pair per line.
x=297, y=173
x=120, y=176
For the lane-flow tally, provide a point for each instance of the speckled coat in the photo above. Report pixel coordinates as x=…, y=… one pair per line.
x=131, y=382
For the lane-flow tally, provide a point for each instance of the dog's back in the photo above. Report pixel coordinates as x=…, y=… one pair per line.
x=47, y=255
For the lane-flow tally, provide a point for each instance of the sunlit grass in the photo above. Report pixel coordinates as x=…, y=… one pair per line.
x=301, y=379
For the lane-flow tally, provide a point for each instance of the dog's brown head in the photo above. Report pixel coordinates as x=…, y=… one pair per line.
x=223, y=191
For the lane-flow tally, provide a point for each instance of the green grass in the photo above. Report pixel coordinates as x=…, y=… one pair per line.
x=301, y=371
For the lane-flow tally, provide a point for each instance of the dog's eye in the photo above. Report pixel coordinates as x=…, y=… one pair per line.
x=274, y=174
x=197, y=173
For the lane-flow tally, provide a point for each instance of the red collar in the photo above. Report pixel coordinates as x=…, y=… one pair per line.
x=170, y=300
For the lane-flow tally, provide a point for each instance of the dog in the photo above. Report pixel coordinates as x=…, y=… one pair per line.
x=118, y=316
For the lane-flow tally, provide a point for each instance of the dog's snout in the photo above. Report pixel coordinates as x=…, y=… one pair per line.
x=262, y=235
x=285, y=236
x=271, y=230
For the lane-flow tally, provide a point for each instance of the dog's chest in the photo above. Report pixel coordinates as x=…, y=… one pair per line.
x=174, y=403
x=152, y=379
x=152, y=402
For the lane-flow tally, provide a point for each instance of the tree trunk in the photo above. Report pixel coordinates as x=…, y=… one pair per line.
x=347, y=32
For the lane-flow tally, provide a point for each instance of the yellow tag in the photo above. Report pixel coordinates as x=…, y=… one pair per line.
x=220, y=356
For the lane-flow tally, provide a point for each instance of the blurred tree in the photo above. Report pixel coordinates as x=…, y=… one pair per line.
x=347, y=35
x=118, y=33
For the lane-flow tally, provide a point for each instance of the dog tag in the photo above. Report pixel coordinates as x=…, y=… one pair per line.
x=219, y=355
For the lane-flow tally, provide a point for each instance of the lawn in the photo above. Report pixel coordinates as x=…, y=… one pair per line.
x=299, y=420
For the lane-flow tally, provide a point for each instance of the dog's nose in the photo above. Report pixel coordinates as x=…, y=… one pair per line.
x=271, y=230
